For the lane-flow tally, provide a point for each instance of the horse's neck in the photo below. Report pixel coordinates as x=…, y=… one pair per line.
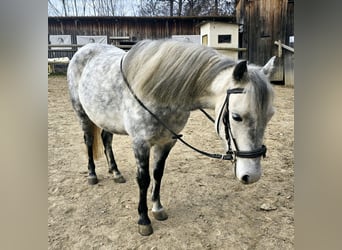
x=216, y=90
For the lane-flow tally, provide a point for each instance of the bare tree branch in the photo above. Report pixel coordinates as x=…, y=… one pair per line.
x=145, y=8
x=53, y=9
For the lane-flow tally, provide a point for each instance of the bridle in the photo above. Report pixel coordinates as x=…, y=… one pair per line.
x=230, y=154
x=228, y=131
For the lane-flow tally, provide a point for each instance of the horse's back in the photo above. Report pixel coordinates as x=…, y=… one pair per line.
x=87, y=54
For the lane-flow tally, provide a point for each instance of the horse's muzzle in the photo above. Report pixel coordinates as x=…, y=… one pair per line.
x=247, y=175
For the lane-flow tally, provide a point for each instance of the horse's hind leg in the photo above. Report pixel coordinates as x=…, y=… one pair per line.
x=89, y=140
x=160, y=155
x=107, y=139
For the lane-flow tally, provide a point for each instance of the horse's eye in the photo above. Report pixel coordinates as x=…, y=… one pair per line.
x=236, y=117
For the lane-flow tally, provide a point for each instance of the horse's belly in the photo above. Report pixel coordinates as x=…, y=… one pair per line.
x=103, y=107
x=111, y=122
x=108, y=120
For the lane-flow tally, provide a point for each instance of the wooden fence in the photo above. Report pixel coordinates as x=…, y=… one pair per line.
x=286, y=54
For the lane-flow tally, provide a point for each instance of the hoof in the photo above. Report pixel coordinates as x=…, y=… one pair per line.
x=145, y=230
x=119, y=179
x=160, y=215
x=92, y=180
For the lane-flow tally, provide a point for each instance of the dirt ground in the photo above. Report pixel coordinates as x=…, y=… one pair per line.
x=207, y=207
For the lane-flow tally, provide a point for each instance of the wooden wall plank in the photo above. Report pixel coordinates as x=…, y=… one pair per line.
x=265, y=21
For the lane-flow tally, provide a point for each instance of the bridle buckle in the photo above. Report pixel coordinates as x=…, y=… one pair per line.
x=232, y=154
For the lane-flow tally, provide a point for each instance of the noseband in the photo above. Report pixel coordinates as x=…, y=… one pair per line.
x=228, y=132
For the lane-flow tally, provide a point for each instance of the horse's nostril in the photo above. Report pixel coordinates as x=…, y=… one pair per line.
x=245, y=178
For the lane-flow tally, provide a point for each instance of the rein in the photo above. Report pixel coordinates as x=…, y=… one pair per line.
x=230, y=154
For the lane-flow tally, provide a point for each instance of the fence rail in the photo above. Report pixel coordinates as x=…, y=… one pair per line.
x=64, y=45
x=288, y=62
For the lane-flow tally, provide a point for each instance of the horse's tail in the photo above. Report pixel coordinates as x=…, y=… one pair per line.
x=97, y=142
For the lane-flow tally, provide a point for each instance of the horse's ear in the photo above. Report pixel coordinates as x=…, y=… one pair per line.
x=269, y=67
x=240, y=70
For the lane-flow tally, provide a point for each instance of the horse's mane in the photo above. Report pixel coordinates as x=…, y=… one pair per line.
x=168, y=71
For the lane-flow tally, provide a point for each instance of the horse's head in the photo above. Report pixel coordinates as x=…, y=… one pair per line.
x=242, y=115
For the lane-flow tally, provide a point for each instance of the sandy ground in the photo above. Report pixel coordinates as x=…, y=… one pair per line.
x=207, y=207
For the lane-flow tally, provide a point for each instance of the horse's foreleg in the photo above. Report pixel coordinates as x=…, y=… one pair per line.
x=160, y=155
x=107, y=139
x=142, y=155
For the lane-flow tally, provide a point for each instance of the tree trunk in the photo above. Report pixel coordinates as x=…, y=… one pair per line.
x=76, y=12
x=171, y=7
x=216, y=8
x=64, y=7
x=180, y=4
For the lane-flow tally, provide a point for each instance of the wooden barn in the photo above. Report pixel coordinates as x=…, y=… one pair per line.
x=125, y=31
x=267, y=29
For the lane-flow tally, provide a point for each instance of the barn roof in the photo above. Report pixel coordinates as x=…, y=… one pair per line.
x=230, y=19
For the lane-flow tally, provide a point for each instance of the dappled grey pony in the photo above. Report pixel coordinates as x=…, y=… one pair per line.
x=148, y=94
